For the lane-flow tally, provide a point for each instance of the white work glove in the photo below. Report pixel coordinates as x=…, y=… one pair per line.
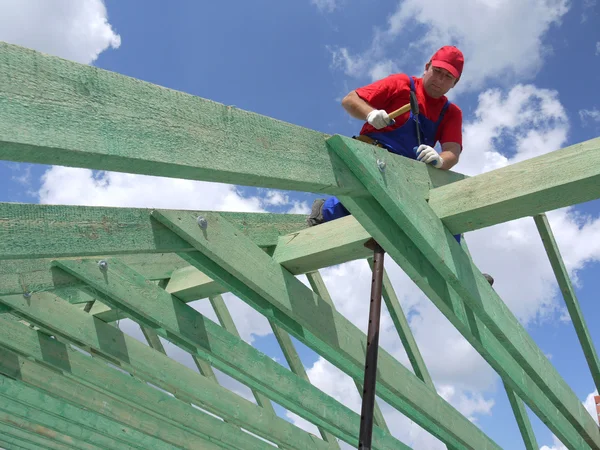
x=428, y=155
x=379, y=119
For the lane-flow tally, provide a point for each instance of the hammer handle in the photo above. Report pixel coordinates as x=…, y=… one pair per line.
x=399, y=111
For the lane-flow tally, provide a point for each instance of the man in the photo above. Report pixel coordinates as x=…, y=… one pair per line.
x=439, y=120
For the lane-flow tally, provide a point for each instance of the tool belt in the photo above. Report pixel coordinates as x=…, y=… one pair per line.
x=368, y=140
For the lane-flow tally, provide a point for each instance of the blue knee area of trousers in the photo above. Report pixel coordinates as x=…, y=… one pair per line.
x=333, y=209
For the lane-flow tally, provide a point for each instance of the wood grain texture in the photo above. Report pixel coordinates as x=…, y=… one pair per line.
x=27, y=400
x=109, y=342
x=188, y=329
x=38, y=231
x=276, y=293
x=54, y=111
x=560, y=178
x=142, y=399
x=433, y=240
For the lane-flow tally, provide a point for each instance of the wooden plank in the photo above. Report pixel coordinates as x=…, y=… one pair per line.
x=566, y=287
x=438, y=246
x=318, y=286
x=317, y=247
x=12, y=443
x=269, y=288
x=189, y=284
x=36, y=231
x=20, y=400
x=111, y=416
x=138, y=395
x=522, y=420
x=118, y=348
x=392, y=237
x=183, y=136
x=40, y=436
x=188, y=329
x=560, y=178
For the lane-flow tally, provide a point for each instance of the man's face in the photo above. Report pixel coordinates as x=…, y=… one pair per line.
x=437, y=81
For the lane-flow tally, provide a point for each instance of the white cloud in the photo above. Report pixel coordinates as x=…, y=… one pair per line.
x=498, y=39
x=597, y=48
x=64, y=185
x=325, y=6
x=589, y=116
x=557, y=445
x=73, y=29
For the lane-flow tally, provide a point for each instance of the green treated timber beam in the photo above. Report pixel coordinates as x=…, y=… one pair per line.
x=10, y=442
x=23, y=401
x=566, y=287
x=269, y=288
x=522, y=420
x=145, y=363
x=38, y=435
x=468, y=324
x=111, y=416
x=137, y=394
x=188, y=329
x=183, y=136
x=489, y=351
x=318, y=286
x=554, y=180
x=452, y=306
x=227, y=323
x=114, y=230
x=433, y=240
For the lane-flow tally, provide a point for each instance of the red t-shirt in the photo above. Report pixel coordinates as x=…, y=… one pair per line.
x=393, y=92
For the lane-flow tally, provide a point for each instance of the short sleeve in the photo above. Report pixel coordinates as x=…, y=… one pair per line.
x=451, y=126
x=379, y=93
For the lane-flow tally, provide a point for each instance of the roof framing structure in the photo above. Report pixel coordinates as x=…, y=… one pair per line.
x=72, y=379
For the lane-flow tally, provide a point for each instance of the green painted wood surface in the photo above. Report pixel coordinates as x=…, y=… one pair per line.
x=522, y=420
x=276, y=293
x=420, y=224
x=21, y=400
x=113, y=417
x=560, y=178
x=392, y=237
x=183, y=136
x=38, y=435
x=227, y=322
x=67, y=322
x=188, y=329
x=36, y=231
x=318, y=286
x=137, y=394
x=317, y=247
x=13, y=443
x=189, y=284
x=566, y=287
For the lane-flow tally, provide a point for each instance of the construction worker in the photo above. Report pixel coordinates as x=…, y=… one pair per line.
x=439, y=120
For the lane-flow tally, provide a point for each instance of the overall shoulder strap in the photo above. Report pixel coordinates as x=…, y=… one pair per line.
x=412, y=83
x=443, y=112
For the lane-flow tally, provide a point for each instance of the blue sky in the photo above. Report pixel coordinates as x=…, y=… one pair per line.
x=529, y=87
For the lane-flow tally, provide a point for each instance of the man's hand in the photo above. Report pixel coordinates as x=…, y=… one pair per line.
x=379, y=119
x=428, y=155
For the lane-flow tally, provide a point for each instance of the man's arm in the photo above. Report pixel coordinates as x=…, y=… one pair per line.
x=356, y=106
x=450, y=154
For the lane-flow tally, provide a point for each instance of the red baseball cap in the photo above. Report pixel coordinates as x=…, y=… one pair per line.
x=449, y=58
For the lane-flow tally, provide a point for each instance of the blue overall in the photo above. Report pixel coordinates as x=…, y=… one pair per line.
x=402, y=141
